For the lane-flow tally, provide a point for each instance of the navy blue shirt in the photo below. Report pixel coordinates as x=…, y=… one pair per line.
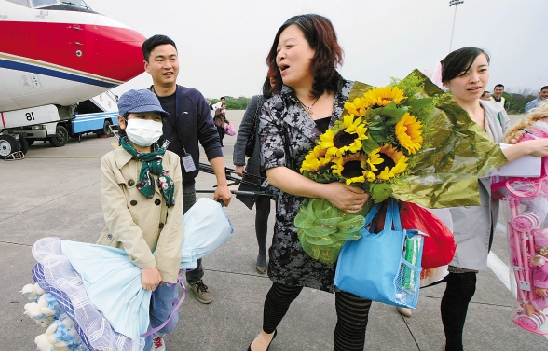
x=192, y=123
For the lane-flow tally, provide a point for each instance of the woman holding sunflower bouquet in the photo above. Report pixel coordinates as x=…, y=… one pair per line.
x=408, y=141
x=311, y=97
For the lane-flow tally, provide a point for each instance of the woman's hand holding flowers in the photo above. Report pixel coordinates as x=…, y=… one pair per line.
x=349, y=199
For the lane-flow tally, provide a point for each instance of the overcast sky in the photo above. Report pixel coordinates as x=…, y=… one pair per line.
x=223, y=43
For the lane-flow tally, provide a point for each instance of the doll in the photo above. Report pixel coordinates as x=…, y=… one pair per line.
x=540, y=272
x=533, y=126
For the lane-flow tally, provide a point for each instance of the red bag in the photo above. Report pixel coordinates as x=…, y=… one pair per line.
x=439, y=246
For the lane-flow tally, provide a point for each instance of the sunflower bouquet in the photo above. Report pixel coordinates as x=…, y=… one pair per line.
x=408, y=141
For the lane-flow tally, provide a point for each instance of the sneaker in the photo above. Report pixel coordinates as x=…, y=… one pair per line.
x=158, y=344
x=202, y=292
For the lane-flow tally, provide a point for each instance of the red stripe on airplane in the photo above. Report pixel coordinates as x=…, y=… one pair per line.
x=111, y=52
x=3, y=120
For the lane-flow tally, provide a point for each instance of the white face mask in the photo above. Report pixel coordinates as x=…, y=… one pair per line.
x=143, y=132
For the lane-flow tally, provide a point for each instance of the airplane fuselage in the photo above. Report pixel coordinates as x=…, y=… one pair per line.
x=51, y=56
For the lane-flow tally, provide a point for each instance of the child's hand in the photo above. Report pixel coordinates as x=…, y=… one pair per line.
x=542, y=292
x=150, y=278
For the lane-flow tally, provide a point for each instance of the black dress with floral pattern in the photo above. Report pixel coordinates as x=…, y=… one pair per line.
x=284, y=120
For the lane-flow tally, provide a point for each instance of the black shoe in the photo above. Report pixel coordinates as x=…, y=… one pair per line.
x=267, y=347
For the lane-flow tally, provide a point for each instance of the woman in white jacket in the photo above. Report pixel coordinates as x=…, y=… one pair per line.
x=466, y=73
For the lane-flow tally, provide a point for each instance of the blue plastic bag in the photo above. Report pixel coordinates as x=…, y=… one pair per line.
x=374, y=267
x=206, y=228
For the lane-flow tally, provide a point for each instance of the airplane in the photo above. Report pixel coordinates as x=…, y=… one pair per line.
x=54, y=54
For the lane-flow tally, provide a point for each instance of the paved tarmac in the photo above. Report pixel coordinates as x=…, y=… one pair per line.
x=55, y=192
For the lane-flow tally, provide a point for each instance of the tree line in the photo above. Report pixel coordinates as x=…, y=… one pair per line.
x=515, y=102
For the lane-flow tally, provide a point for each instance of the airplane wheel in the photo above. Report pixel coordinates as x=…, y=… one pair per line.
x=60, y=138
x=8, y=145
x=23, y=144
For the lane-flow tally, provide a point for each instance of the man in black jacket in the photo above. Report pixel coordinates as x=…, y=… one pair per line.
x=190, y=122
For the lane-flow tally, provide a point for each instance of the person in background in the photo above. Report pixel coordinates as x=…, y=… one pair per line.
x=189, y=123
x=219, y=120
x=136, y=210
x=253, y=169
x=218, y=104
x=116, y=98
x=466, y=74
x=209, y=103
x=486, y=96
x=302, y=62
x=497, y=95
x=542, y=95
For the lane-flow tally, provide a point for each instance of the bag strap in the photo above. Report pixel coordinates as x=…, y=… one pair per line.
x=393, y=218
x=256, y=116
x=393, y=215
x=371, y=215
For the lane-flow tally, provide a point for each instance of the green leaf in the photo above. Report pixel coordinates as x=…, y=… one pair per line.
x=369, y=144
x=391, y=110
x=380, y=191
x=418, y=104
x=378, y=137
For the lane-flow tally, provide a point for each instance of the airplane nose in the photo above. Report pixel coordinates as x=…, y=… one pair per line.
x=118, y=52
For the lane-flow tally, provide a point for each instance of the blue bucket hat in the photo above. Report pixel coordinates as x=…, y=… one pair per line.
x=139, y=100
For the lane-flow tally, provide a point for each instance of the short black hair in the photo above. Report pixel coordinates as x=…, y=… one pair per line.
x=460, y=61
x=545, y=87
x=499, y=85
x=153, y=42
x=222, y=98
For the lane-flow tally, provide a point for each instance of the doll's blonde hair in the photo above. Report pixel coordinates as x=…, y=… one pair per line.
x=514, y=134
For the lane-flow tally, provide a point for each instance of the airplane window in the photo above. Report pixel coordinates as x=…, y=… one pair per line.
x=21, y=2
x=80, y=3
x=40, y=3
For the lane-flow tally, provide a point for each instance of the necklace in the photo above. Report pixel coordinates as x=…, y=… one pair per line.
x=307, y=108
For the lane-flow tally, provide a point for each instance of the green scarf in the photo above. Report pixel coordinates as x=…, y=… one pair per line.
x=152, y=162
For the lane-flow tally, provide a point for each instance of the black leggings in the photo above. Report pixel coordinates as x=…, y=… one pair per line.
x=352, y=315
x=454, y=306
x=262, y=210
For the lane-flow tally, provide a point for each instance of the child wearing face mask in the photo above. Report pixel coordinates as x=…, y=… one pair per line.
x=141, y=197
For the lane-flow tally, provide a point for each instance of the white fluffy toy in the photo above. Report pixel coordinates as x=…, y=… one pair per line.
x=31, y=291
x=40, y=309
x=59, y=336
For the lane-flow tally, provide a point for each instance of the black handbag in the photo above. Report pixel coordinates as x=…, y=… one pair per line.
x=250, y=145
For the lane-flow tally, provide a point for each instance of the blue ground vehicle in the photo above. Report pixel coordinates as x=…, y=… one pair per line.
x=95, y=115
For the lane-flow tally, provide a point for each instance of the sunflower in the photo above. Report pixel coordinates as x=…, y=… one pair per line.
x=347, y=140
x=394, y=162
x=383, y=96
x=351, y=168
x=357, y=108
x=409, y=133
x=354, y=125
x=373, y=159
x=315, y=159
